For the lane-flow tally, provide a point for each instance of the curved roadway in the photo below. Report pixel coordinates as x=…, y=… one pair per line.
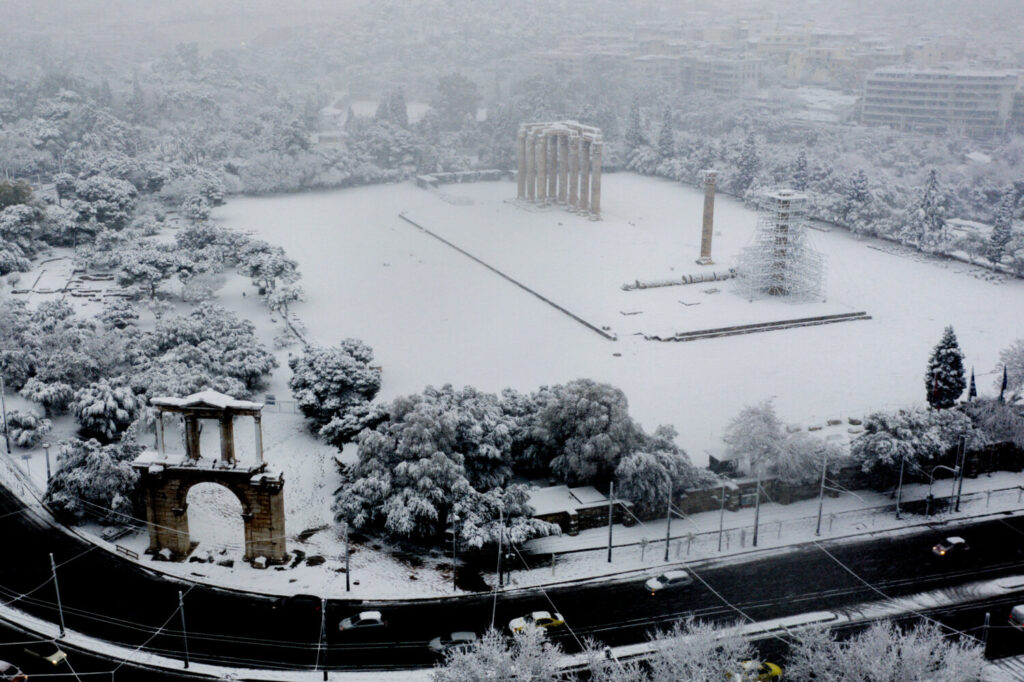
x=119, y=601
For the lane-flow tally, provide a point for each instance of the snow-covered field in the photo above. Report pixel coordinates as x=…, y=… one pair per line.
x=433, y=316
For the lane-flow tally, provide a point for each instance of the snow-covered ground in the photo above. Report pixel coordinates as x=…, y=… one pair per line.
x=434, y=316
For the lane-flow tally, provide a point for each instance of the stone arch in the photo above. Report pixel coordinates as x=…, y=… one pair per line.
x=166, y=480
x=216, y=515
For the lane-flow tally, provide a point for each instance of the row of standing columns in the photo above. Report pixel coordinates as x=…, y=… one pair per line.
x=560, y=165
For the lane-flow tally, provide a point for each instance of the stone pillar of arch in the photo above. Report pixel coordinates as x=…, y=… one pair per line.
x=521, y=158
x=595, y=181
x=584, y=204
x=574, y=170
x=542, y=167
x=563, y=168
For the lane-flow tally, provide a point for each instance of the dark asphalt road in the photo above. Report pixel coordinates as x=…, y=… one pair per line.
x=118, y=601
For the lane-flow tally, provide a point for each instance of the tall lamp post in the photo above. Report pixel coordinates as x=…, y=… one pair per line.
x=3, y=414
x=899, y=487
x=931, y=479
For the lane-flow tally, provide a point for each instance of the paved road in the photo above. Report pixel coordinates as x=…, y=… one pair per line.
x=119, y=601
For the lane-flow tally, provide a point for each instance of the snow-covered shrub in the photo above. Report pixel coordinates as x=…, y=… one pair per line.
x=195, y=208
x=104, y=411
x=54, y=396
x=886, y=652
x=94, y=481
x=1012, y=358
x=26, y=429
x=201, y=287
x=1001, y=422
x=527, y=656
x=118, y=313
x=335, y=383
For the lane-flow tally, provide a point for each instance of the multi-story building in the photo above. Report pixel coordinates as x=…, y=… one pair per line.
x=975, y=103
x=723, y=75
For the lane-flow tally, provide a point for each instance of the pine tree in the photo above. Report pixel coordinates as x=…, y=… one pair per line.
x=666, y=138
x=945, y=380
x=748, y=165
x=397, y=110
x=634, y=129
x=925, y=223
x=1001, y=230
x=800, y=172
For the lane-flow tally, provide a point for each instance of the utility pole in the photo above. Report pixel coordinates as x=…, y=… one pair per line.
x=899, y=487
x=501, y=536
x=757, y=506
x=46, y=450
x=984, y=634
x=611, y=517
x=668, y=523
x=56, y=587
x=184, y=633
x=721, y=517
x=961, y=463
x=455, y=545
x=3, y=413
x=821, y=492
x=348, y=579
x=323, y=633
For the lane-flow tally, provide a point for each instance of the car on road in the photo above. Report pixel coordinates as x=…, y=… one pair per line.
x=538, y=619
x=299, y=603
x=47, y=652
x=460, y=642
x=668, y=580
x=10, y=673
x=951, y=546
x=759, y=671
x=367, y=620
x=1017, y=616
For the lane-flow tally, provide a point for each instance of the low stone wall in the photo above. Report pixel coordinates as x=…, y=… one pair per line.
x=433, y=180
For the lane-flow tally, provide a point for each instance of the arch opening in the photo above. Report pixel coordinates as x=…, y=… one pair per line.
x=215, y=523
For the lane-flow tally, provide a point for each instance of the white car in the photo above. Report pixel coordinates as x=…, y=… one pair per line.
x=10, y=673
x=1017, y=616
x=456, y=641
x=668, y=580
x=538, y=619
x=364, y=620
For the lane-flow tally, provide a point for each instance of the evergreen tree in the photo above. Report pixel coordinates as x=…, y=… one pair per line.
x=634, y=129
x=944, y=380
x=1001, y=230
x=747, y=167
x=925, y=224
x=397, y=111
x=800, y=172
x=856, y=197
x=666, y=138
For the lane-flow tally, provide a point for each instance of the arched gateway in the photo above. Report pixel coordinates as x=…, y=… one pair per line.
x=166, y=479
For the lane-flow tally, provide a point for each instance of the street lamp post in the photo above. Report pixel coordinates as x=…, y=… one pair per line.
x=3, y=414
x=721, y=517
x=899, y=487
x=821, y=491
x=757, y=505
x=668, y=522
x=931, y=479
x=455, y=544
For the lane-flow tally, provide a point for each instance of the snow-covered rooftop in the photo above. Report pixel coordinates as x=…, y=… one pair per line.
x=562, y=498
x=208, y=398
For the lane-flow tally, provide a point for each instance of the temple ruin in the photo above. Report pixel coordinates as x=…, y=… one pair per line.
x=560, y=163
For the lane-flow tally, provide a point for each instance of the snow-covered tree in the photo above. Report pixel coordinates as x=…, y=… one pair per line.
x=267, y=266
x=1012, y=358
x=634, y=137
x=332, y=383
x=802, y=456
x=647, y=478
x=104, y=411
x=944, y=380
x=799, y=171
x=94, y=481
x=1001, y=422
x=26, y=429
x=149, y=266
x=586, y=430
x=529, y=655
x=54, y=396
x=924, y=224
x=666, y=136
x=884, y=653
x=1002, y=229
x=455, y=101
x=479, y=523
x=747, y=166
x=757, y=434
x=696, y=650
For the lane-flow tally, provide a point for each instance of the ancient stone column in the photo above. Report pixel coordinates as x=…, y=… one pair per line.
x=552, y=167
x=192, y=436
x=574, y=171
x=595, y=180
x=531, y=166
x=521, y=158
x=563, y=167
x=584, y=204
x=542, y=167
x=709, y=218
x=227, y=439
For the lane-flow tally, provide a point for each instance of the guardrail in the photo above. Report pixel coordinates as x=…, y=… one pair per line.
x=127, y=552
